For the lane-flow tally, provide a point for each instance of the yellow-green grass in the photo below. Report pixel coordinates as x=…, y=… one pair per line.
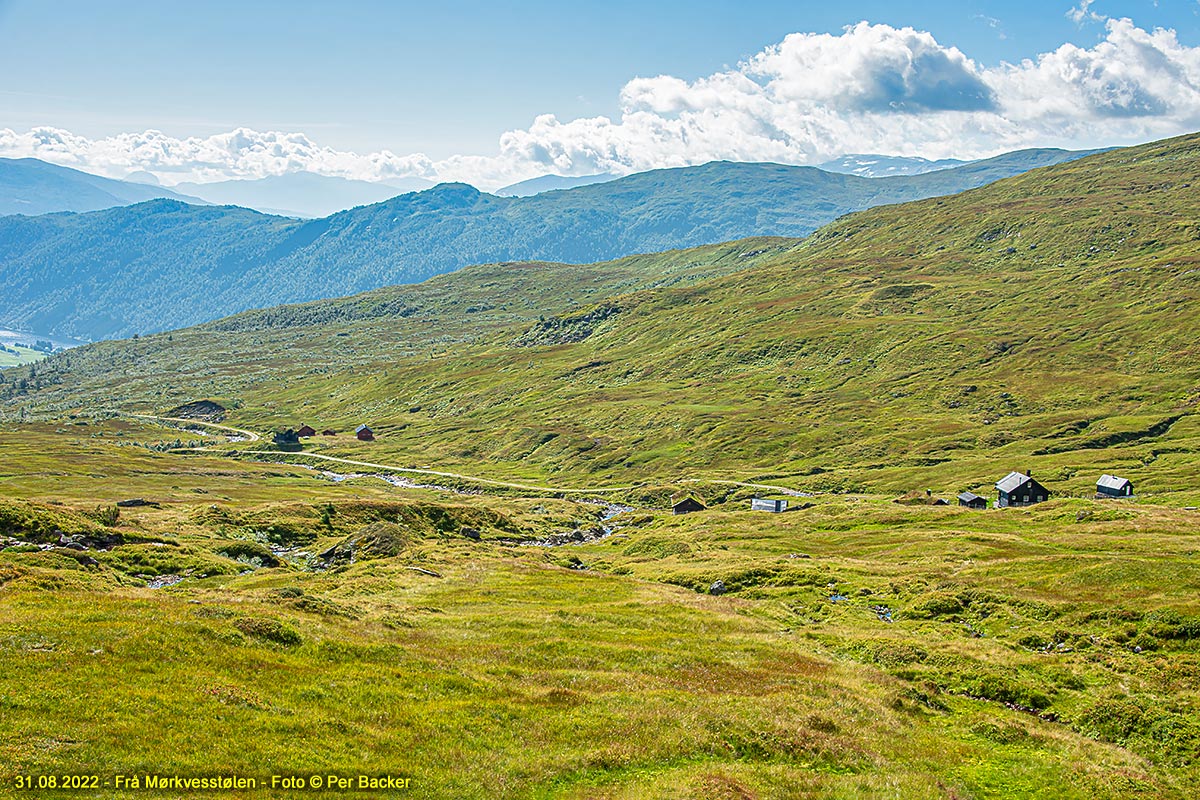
x=506, y=679
x=610, y=669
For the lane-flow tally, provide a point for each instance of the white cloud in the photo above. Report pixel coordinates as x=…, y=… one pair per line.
x=1083, y=13
x=873, y=88
x=241, y=153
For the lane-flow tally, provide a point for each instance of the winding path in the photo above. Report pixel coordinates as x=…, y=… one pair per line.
x=251, y=436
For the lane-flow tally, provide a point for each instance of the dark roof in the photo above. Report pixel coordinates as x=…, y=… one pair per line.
x=1012, y=481
x=967, y=497
x=688, y=502
x=1112, y=482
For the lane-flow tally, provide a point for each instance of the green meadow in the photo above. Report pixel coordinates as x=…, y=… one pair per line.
x=493, y=598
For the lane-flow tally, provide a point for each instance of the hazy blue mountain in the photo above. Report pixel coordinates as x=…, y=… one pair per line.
x=875, y=166
x=550, y=183
x=29, y=186
x=162, y=264
x=301, y=194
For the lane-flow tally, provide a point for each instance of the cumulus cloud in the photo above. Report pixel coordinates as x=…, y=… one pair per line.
x=872, y=88
x=241, y=153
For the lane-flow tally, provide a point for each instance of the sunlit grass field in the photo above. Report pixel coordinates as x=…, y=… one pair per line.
x=858, y=647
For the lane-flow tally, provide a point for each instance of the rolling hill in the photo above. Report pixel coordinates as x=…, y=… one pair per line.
x=162, y=264
x=32, y=187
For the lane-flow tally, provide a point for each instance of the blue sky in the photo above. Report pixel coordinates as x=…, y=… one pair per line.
x=446, y=81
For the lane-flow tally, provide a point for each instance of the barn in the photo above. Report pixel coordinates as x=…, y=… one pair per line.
x=1112, y=486
x=1015, y=489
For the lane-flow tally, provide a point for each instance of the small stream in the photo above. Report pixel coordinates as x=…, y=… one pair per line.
x=578, y=536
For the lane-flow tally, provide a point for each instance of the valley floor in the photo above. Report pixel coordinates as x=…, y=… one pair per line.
x=852, y=647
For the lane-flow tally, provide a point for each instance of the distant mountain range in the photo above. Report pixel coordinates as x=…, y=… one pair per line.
x=550, y=183
x=32, y=187
x=873, y=166
x=301, y=194
x=163, y=264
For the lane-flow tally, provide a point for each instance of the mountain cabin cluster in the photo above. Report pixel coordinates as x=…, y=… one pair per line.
x=1014, y=490
x=292, y=436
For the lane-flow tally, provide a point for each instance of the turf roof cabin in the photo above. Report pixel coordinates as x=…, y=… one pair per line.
x=687, y=505
x=364, y=433
x=287, y=440
x=972, y=500
x=1015, y=489
x=1112, y=486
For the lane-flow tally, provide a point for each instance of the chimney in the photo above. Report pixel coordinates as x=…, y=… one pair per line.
x=1028, y=474
x=929, y=493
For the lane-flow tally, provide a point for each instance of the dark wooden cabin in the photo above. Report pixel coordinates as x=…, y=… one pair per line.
x=306, y=431
x=687, y=505
x=364, y=433
x=287, y=440
x=972, y=500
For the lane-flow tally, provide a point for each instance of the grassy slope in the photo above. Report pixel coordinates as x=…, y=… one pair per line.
x=22, y=355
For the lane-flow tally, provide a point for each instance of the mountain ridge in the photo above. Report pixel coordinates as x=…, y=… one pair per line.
x=167, y=265
x=301, y=194
x=31, y=187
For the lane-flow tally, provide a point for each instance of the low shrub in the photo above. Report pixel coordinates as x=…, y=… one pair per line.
x=268, y=630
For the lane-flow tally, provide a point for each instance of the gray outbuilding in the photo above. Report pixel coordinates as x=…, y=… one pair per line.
x=972, y=500
x=1112, y=486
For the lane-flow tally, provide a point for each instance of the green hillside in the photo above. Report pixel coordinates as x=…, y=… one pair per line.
x=1027, y=320
x=162, y=264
